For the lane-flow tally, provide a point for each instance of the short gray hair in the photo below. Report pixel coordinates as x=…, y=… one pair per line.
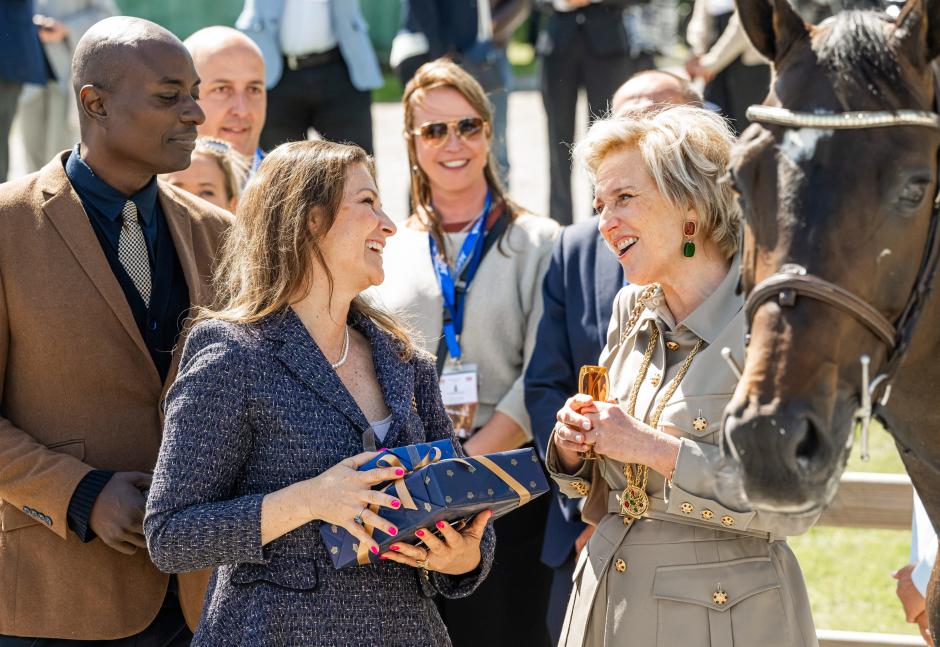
x=686, y=151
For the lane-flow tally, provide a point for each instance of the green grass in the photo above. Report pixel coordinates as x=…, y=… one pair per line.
x=848, y=571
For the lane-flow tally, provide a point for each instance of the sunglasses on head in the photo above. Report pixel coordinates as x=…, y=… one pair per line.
x=436, y=132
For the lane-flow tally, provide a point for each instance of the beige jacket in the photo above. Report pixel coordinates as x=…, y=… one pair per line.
x=718, y=51
x=78, y=391
x=692, y=572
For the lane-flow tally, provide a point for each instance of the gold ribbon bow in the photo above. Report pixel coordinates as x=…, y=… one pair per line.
x=401, y=491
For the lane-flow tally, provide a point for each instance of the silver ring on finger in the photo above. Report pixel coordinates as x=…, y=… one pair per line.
x=358, y=517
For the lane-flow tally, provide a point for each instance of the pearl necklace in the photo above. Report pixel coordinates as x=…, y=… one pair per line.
x=345, y=354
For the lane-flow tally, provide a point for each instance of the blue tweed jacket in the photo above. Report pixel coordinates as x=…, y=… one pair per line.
x=256, y=408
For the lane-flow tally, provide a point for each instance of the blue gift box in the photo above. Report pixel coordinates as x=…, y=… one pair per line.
x=451, y=490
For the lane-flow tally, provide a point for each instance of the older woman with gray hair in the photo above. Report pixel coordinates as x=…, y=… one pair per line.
x=669, y=564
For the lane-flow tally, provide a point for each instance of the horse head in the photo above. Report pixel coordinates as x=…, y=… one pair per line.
x=827, y=208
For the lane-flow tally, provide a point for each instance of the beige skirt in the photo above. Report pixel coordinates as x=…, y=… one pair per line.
x=669, y=584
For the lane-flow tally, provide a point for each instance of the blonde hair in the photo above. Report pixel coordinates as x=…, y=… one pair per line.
x=444, y=73
x=271, y=252
x=233, y=164
x=686, y=151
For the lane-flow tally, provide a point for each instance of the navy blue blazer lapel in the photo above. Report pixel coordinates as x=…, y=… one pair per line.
x=301, y=355
x=608, y=279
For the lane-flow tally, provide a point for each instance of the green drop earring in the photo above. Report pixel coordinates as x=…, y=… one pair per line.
x=688, y=247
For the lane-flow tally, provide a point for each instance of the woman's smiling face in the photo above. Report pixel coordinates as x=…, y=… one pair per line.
x=639, y=225
x=353, y=246
x=456, y=163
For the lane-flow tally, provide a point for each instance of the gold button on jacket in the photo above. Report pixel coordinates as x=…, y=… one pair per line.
x=691, y=571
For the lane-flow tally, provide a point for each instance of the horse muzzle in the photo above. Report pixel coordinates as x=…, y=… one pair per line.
x=781, y=456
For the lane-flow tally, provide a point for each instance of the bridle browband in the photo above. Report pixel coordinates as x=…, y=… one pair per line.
x=791, y=281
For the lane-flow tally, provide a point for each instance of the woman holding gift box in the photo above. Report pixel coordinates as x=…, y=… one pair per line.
x=668, y=563
x=278, y=392
x=467, y=269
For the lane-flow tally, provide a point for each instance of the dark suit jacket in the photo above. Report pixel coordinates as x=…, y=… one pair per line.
x=598, y=26
x=78, y=391
x=21, y=56
x=256, y=408
x=578, y=294
x=450, y=27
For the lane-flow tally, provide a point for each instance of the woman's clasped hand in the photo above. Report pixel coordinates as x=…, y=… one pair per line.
x=585, y=424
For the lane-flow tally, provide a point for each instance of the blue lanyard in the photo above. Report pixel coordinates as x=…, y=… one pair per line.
x=452, y=290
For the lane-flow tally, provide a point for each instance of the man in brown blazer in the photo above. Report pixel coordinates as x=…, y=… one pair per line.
x=99, y=266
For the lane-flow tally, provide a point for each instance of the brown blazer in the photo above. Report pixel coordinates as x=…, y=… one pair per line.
x=78, y=391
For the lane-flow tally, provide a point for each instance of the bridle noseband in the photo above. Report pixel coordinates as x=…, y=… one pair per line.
x=791, y=281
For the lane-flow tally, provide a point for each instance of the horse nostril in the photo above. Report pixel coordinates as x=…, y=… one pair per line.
x=809, y=450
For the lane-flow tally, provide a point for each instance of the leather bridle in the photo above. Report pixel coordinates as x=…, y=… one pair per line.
x=792, y=281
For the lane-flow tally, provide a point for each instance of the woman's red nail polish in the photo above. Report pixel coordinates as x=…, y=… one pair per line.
x=399, y=472
x=375, y=550
x=392, y=530
x=384, y=449
x=396, y=504
x=439, y=524
x=394, y=547
x=420, y=533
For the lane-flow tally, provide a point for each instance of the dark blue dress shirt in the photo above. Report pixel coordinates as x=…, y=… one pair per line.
x=159, y=323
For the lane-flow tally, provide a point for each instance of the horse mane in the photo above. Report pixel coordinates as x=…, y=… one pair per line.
x=854, y=47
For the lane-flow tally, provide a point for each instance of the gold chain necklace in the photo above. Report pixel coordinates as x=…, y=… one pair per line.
x=634, y=501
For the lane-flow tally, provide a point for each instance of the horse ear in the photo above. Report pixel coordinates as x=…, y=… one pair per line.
x=917, y=29
x=772, y=25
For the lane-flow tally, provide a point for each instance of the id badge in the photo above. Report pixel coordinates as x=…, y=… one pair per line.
x=460, y=393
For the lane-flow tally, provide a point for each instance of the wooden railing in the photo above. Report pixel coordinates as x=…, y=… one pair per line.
x=867, y=500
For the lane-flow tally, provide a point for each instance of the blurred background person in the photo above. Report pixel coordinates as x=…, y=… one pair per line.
x=578, y=293
x=21, y=61
x=583, y=44
x=472, y=34
x=47, y=116
x=913, y=577
x=468, y=241
x=232, y=94
x=736, y=75
x=320, y=68
x=215, y=173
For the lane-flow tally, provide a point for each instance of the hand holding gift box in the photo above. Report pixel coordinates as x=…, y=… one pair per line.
x=443, y=490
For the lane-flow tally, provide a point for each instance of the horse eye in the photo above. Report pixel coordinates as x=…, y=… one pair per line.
x=913, y=193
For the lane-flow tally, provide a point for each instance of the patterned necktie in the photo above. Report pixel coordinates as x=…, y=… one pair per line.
x=132, y=251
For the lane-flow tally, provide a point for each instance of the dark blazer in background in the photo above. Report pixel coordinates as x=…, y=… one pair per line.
x=21, y=56
x=599, y=26
x=450, y=28
x=578, y=295
x=585, y=48
x=79, y=391
x=257, y=408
